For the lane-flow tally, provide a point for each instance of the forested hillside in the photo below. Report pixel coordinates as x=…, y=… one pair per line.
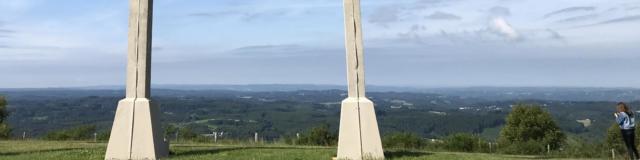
x=284, y=113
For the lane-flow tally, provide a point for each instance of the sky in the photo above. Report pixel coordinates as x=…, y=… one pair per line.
x=428, y=43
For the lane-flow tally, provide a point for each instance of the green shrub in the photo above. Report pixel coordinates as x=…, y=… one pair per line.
x=463, y=142
x=84, y=132
x=402, y=140
x=185, y=133
x=581, y=148
x=5, y=130
x=530, y=147
x=319, y=136
x=614, y=139
x=104, y=135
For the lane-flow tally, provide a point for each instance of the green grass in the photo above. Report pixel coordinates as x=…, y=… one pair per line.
x=35, y=150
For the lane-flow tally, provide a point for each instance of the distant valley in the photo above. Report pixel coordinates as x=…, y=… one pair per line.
x=284, y=110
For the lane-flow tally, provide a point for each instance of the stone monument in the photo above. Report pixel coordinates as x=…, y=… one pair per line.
x=359, y=136
x=136, y=131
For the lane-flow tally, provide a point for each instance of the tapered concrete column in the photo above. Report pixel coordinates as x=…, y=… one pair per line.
x=136, y=132
x=359, y=136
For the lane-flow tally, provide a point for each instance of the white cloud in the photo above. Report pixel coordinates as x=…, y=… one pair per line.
x=500, y=25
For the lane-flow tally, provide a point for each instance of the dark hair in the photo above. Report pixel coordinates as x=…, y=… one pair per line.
x=626, y=108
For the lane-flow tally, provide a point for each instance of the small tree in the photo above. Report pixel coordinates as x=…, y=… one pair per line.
x=529, y=129
x=319, y=136
x=5, y=131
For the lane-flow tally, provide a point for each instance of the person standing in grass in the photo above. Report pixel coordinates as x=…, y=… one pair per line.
x=626, y=120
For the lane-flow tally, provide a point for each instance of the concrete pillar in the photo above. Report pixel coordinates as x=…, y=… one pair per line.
x=136, y=131
x=359, y=136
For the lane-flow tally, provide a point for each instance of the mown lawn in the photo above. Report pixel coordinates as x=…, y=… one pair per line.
x=35, y=150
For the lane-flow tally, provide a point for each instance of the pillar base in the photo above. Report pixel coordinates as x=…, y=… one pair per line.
x=136, y=132
x=359, y=137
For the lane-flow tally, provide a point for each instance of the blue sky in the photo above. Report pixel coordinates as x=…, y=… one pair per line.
x=431, y=43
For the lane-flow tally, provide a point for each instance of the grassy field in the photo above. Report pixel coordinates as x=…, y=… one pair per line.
x=35, y=150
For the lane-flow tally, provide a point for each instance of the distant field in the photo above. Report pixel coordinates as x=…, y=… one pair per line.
x=34, y=150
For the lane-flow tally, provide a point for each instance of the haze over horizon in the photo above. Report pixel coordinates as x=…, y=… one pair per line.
x=447, y=43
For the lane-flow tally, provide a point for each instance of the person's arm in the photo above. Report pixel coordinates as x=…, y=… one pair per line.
x=620, y=119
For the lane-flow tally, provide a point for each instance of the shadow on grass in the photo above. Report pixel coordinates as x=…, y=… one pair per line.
x=37, y=151
x=401, y=154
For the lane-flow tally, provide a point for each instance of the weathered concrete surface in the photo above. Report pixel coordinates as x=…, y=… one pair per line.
x=359, y=135
x=136, y=132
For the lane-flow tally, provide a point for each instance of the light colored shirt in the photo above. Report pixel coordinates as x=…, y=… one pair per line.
x=625, y=121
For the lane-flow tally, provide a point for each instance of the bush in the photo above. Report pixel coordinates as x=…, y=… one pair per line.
x=578, y=147
x=531, y=126
x=319, y=136
x=614, y=139
x=78, y=133
x=104, y=135
x=463, y=142
x=185, y=133
x=5, y=130
x=530, y=147
x=403, y=140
